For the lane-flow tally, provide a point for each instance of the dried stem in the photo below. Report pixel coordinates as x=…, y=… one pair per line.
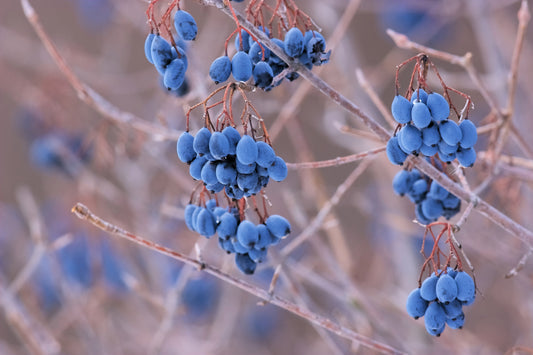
x=84, y=213
x=337, y=161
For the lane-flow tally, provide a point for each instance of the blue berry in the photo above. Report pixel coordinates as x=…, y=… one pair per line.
x=445, y=148
x=265, y=30
x=148, y=47
x=410, y=138
x=263, y=75
x=402, y=182
x=457, y=322
x=220, y=69
x=206, y=223
x=218, y=145
x=401, y=109
x=437, y=192
x=247, y=234
x=430, y=134
x=189, y=211
x=265, y=237
x=294, y=42
x=226, y=173
x=450, y=132
x=419, y=95
x=161, y=54
x=431, y=208
x=447, y=158
x=416, y=305
x=439, y=107
x=418, y=190
x=395, y=154
x=209, y=175
x=226, y=245
x=185, y=149
x=453, y=309
x=419, y=214
x=258, y=54
x=278, y=226
x=245, y=168
x=246, y=150
x=265, y=155
x=466, y=289
x=245, y=41
x=247, y=182
x=174, y=74
x=233, y=137
x=446, y=289
x=201, y=141
x=435, y=319
x=239, y=248
x=258, y=255
x=428, y=289
x=420, y=115
x=278, y=170
x=245, y=263
x=185, y=25
x=466, y=157
x=428, y=151
x=469, y=134
x=195, y=169
x=227, y=226
x=315, y=47
x=241, y=66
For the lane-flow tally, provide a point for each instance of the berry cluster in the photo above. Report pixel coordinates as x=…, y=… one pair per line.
x=427, y=130
x=237, y=235
x=226, y=160
x=170, y=60
x=431, y=199
x=253, y=59
x=440, y=300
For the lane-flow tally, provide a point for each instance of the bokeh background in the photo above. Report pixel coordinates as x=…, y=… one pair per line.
x=68, y=288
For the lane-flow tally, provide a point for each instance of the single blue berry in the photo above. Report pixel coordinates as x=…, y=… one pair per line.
x=416, y=305
x=246, y=150
x=185, y=25
x=263, y=75
x=220, y=69
x=294, y=42
x=218, y=145
x=185, y=149
x=148, y=47
x=420, y=115
x=241, y=66
x=469, y=134
x=401, y=109
x=245, y=263
x=278, y=170
x=439, y=107
x=450, y=132
x=278, y=226
x=466, y=157
x=201, y=141
x=395, y=154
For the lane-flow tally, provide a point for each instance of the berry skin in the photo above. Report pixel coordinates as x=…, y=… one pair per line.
x=466, y=289
x=174, y=74
x=416, y=305
x=315, y=47
x=447, y=158
x=428, y=151
x=265, y=237
x=446, y=148
x=428, y=288
x=245, y=263
x=195, y=169
x=208, y=174
x=446, y=289
x=265, y=155
x=439, y=107
x=294, y=42
x=420, y=215
x=450, y=132
x=247, y=182
x=258, y=255
x=431, y=208
x=418, y=190
x=435, y=319
x=227, y=226
x=205, y=223
x=148, y=47
x=161, y=54
x=278, y=226
x=226, y=245
x=395, y=154
x=419, y=95
x=185, y=149
x=278, y=170
x=453, y=309
x=245, y=168
x=247, y=234
x=420, y=115
x=256, y=53
x=201, y=141
x=241, y=66
x=469, y=131
x=401, y=109
x=431, y=135
x=245, y=41
x=226, y=173
x=402, y=182
x=189, y=211
x=410, y=138
x=437, y=192
x=466, y=157
x=185, y=25
x=263, y=75
x=246, y=150
x=220, y=69
x=233, y=137
x=457, y=322
x=218, y=145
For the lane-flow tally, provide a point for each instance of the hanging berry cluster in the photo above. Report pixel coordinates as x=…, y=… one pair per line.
x=441, y=296
x=238, y=166
x=254, y=60
x=424, y=123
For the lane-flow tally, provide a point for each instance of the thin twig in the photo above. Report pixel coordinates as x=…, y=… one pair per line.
x=385, y=112
x=84, y=213
x=337, y=161
x=521, y=263
x=90, y=96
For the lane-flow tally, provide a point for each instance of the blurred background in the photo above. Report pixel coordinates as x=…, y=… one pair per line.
x=68, y=288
